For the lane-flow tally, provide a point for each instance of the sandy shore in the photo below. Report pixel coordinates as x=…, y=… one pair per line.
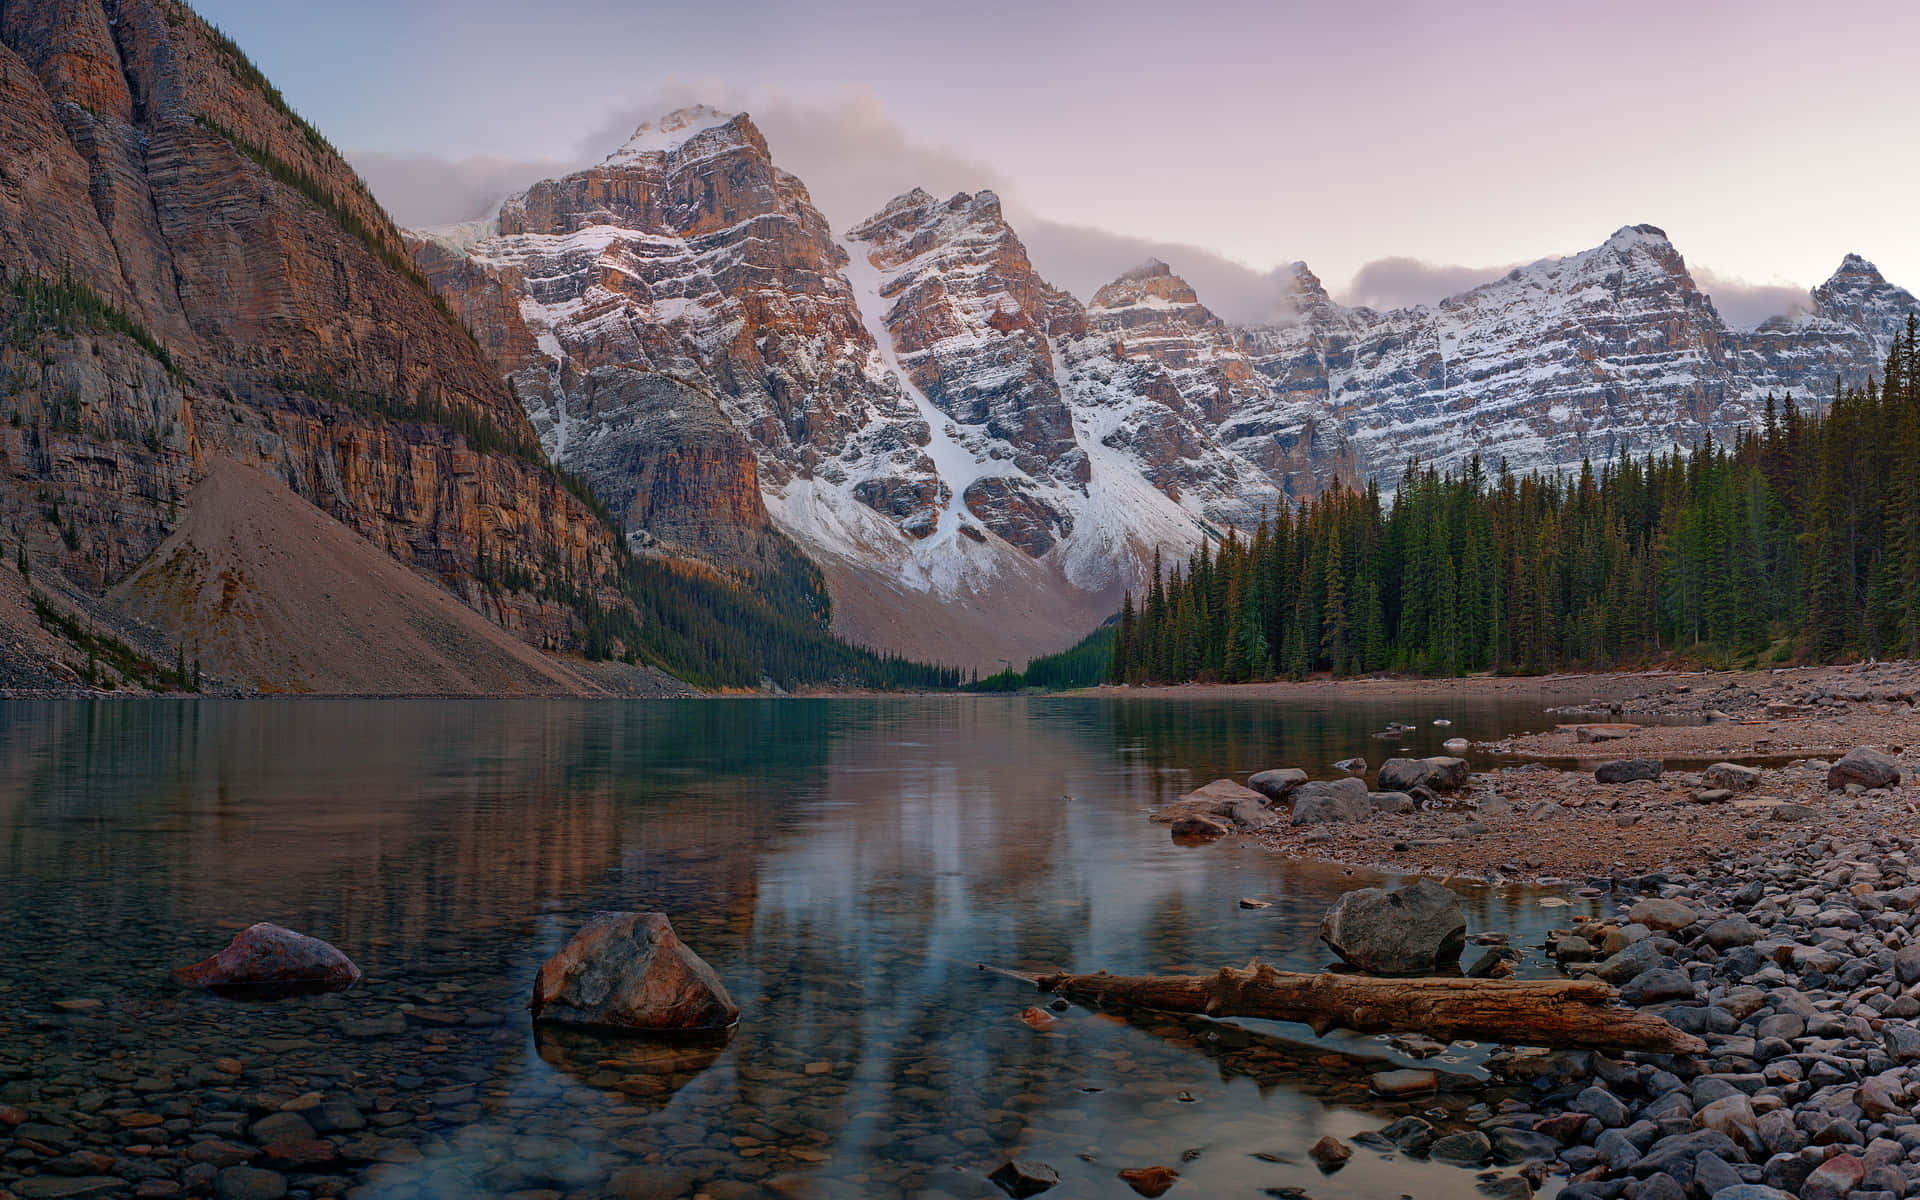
x=1550, y=818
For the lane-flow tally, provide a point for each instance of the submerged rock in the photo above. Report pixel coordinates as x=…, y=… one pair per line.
x=1330, y=1153
x=1024, y=1177
x=266, y=959
x=1413, y=930
x=1150, y=1181
x=629, y=971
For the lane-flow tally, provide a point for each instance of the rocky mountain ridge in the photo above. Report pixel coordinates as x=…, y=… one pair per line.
x=1610, y=350
x=193, y=277
x=945, y=432
x=913, y=405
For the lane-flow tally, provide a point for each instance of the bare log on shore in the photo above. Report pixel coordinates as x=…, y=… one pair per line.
x=1562, y=1014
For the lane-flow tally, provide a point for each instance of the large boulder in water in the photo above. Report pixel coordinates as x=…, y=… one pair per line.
x=1413, y=930
x=1865, y=766
x=266, y=959
x=627, y=970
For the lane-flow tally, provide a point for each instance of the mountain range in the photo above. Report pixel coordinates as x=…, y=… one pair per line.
x=252, y=432
x=981, y=462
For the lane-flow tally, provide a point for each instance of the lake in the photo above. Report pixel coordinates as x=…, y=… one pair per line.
x=843, y=864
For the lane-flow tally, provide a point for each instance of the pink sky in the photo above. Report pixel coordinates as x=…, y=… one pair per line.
x=1767, y=138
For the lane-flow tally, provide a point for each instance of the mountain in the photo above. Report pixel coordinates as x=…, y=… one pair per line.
x=975, y=469
x=1609, y=350
x=213, y=332
x=979, y=462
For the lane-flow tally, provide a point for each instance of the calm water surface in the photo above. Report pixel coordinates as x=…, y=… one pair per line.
x=843, y=864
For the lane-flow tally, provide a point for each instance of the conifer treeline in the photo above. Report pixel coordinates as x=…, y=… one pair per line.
x=1801, y=541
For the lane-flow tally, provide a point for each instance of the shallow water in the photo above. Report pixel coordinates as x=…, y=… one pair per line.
x=843, y=864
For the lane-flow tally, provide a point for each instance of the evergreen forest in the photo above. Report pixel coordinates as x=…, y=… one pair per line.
x=1798, y=542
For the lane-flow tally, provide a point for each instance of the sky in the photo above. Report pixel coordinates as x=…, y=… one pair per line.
x=1403, y=150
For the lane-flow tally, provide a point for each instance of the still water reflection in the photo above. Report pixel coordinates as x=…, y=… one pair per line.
x=843, y=864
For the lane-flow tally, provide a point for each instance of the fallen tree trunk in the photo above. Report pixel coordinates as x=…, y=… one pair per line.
x=1565, y=1014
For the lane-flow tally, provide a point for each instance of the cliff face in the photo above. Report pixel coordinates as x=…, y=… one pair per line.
x=1613, y=349
x=194, y=275
x=905, y=404
x=676, y=324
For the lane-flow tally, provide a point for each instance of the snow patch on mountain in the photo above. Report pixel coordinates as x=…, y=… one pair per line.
x=669, y=133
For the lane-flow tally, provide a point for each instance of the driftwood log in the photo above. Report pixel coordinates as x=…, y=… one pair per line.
x=1563, y=1014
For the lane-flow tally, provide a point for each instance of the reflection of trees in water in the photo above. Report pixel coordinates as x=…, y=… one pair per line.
x=843, y=864
x=1180, y=744
x=417, y=824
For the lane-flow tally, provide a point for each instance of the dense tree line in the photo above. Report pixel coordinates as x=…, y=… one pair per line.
x=1799, y=542
x=1083, y=664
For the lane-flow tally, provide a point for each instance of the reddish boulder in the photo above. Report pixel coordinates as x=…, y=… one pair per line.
x=267, y=959
x=629, y=971
x=1150, y=1181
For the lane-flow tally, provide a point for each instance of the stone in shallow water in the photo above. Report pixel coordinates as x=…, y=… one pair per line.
x=1402, y=1084
x=1022, y=1177
x=1330, y=1153
x=249, y=1183
x=629, y=971
x=63, y=1187
x=1400, y=931
x=267, y=960
x=1150, y=1181
x=1466, y=1149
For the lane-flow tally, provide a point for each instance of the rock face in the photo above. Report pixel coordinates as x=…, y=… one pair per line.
x=265, y=313
x=676, y=324
x=628, y=971
x=1612, y=349
x=1413, y=930
x=1152, y=316
x=268, y=958
x=1057, y=443
x=913, y=405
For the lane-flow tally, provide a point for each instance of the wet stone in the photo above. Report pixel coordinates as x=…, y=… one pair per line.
x=1024, y=1177
x=249, y=1183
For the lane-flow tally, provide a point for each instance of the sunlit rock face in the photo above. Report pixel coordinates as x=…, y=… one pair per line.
x=285, y=327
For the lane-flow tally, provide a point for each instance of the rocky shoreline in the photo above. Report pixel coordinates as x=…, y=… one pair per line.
x=1798, y=965
x=1771, y=907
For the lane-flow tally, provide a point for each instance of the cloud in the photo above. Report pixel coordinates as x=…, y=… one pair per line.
x=845, y=146
x=1082, y=259
x=852, y=153
x=1401, y=282
x=1744, y=304
x=420, y=190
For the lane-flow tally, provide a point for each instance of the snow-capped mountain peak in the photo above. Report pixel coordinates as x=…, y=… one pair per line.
x=671, y=132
